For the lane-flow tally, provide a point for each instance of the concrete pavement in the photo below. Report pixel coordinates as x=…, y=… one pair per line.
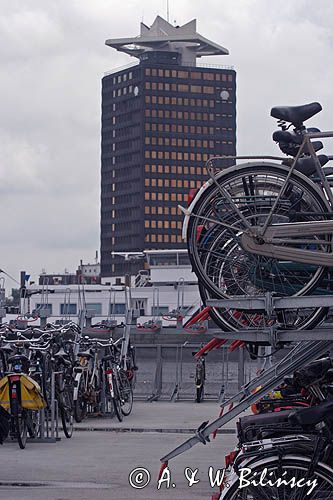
x=96, y=464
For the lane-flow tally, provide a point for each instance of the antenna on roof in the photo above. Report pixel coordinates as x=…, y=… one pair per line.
x=168, y=12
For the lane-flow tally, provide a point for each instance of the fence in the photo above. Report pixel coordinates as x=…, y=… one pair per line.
x=167, y=372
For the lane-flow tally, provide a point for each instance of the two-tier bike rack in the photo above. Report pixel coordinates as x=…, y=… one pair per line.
x=310, y=345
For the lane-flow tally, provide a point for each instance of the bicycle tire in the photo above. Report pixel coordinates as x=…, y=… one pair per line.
x=202, y=207
x=66, y=411
x=21, y=430
x=46, y=377
x=126, y=393
x=3, y=364
x=116, y=401
x=199, y=394
x=296, y=464
x=80, y=404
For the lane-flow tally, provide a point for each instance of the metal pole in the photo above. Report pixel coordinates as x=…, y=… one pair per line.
x=240, y=368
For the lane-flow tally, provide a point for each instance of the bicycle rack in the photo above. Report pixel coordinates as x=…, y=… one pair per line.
x=311, y=345
x=48, y=431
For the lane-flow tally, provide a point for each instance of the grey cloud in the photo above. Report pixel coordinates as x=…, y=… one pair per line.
x=52, y=58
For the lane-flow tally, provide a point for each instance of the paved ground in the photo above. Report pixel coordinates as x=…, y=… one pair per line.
x=96, y=464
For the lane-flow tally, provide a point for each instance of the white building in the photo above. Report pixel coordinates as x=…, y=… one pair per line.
x=166, y=285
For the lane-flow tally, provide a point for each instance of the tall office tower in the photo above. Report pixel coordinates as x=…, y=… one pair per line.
x=161, y=120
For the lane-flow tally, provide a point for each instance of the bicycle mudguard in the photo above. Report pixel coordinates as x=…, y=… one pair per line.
x=77, y=379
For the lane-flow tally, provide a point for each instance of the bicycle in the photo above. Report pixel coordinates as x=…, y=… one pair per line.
x=118, y=387
x=22, y=398
x=286, y=445
x=200, y=376
x=87, y=390
x=263, y=227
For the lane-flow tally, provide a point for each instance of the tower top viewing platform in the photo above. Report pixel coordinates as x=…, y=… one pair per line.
x=180, y=44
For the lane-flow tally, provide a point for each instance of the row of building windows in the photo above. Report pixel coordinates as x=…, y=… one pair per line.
x=196, y=75
x=163, y=238
x=167, y=155
x=159, y=210
x=180, y=115
x=128, y=90
x=179, y=183
x=70, y=308
x=167, y=141
x=173, y=169
x=167, y=196
x=123, y=77
x=182, y=129
x=163, y=224
x=180, y=101
x=180, y=87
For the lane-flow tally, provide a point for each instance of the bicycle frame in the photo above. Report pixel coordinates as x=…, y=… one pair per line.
x=259, y=239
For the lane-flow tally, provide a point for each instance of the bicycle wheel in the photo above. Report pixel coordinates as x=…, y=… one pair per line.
x=200, y=383
x=294, y=469
x=67, y=411
x=225, y=269
x=116, y=399
x=80, y=404
x=21, y=429
x=46, y=379
x=3, y=364
x=126, y=394
x=33, y=423
x=199, y=393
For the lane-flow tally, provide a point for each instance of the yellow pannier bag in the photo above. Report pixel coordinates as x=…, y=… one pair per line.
x=31, y=394
x=4, y=393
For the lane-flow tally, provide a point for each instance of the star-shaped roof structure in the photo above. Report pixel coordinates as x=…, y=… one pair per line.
x=163, y=36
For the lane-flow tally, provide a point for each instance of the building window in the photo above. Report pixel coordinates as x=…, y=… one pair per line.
x=196, y=88
x=117, y=309
x=68, y=308
x=95, y=308
x=45, y=307
x=159, y=310
x=208, y=76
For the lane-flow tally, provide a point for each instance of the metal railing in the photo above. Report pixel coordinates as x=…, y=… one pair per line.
x=167, y=372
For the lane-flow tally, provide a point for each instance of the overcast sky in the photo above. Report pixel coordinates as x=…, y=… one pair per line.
x=52, y=59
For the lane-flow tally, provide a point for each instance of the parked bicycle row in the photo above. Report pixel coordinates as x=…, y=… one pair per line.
x=291, y=433
x=55, y=374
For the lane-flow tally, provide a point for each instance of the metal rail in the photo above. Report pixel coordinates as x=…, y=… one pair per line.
x=298, y=357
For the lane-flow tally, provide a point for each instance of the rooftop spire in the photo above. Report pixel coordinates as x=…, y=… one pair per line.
x=163, y=37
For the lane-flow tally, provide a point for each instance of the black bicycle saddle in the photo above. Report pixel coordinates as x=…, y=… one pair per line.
x=296, y=114
x=312, y=415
